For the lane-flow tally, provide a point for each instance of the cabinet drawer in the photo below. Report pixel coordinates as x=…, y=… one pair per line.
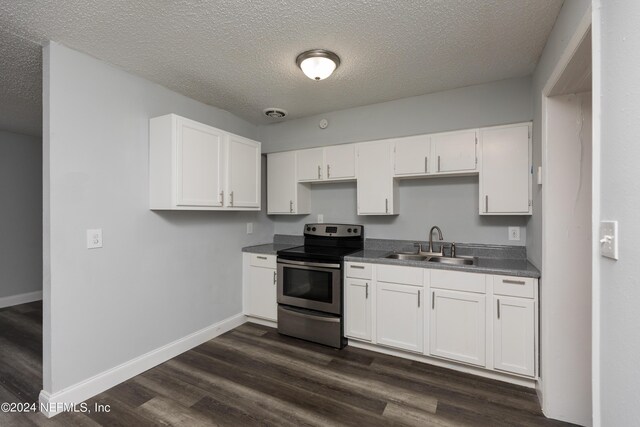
x=458, y=281
x=358, y=270
x=402, y=275
x=267, y=261
x=513, y=286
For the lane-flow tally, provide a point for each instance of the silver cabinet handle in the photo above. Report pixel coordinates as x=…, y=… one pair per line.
x=498, y=309
x=290, y=206
x=231, y=199
x=486, y=203
x=426, y=164
x=366, y=291
x=386, y=205
x=514, y=282
x=418, y=299
x=274, y=278
x=357, y=266
x=222, y=197
x=328, y=171
x=438, y=163
x=319, y=172
x=261, y=257
x=433, y=300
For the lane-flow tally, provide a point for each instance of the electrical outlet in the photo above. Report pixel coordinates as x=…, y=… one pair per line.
x=94, y=238
x=320, y=218
x=514, y=233
x=249, y=228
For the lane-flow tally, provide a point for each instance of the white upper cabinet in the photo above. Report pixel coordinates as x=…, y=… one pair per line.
x=376, y=188
x=340, y=162
x=413, y=156
x=193, y=166
x=505, y=178
x=243, y=173
x=284, y=194
x=326, y=164
x=310, y=165
x=455, y=152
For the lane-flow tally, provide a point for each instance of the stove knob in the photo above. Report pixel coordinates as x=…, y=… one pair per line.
x=313, y=229
x=355, y=231
x=349, y=230
x=308, y=228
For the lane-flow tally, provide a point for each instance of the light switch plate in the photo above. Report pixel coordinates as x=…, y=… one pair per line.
x=539, y=175
x=249, y=228
x=94, y=238
x=514, y=233
x=609, y=239
x=320, y=218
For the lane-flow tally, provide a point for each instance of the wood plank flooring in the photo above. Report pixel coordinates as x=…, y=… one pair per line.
x=252, y=376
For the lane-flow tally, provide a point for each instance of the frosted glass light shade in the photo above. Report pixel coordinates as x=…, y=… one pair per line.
x=318, y=64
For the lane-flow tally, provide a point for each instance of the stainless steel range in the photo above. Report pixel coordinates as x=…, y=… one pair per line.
x=310, y=293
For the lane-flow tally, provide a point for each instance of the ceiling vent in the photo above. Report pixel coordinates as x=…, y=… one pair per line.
x=275, y=113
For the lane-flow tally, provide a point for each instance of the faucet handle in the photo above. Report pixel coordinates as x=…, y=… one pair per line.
x=453, y=250
x=418, y=245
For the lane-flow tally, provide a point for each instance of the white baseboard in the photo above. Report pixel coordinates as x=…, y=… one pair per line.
x=20, y=299
x=52, y=404
x=263, y=322
x=481, y=372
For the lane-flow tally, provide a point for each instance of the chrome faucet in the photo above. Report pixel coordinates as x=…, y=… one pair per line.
x=435, y=227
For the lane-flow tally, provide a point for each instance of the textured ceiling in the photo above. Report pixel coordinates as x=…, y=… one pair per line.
x=20, y=85
x=240, y=55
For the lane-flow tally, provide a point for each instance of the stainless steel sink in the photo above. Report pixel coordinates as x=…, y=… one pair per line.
x=407, y=257
x=454, y=261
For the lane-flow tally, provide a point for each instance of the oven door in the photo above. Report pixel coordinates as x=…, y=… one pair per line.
x=312, y=285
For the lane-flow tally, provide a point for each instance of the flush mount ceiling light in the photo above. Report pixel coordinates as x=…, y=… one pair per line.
x=318, y=64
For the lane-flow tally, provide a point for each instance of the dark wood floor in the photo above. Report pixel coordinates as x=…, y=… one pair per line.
x=253, y=376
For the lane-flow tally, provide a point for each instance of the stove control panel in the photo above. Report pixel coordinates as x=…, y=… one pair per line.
x=333, y=230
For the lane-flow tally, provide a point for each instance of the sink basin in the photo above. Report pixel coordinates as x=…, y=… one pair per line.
x=407, y=257
x=454, y=261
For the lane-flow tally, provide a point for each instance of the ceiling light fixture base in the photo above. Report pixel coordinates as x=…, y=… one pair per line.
x=318, y=64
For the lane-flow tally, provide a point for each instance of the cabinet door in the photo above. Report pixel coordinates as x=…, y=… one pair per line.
x=399, y=316
x=458, y=326
x=199, y=164
x=413, y=155
x=455, y=152
x=513, y=335
x=262, y=293
x=243, y=173
x=340, y=161
x=310, y=164
x=358, y=309
x=505, y=179
x=375, y=179
x=281, y=182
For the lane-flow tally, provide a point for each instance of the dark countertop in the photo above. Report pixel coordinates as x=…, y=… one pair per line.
x=509, y=267
x=268, y=248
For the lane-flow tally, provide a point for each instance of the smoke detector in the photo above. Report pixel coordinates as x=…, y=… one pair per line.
x=275, y=113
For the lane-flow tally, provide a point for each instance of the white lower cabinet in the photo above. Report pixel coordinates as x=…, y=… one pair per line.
x=457, y=326
x=514, y=335
x=399, y=316
x=358, y=296
x=261, y=287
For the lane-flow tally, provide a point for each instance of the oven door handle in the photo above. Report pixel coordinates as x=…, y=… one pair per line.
x=307, y=264
x=328, y=319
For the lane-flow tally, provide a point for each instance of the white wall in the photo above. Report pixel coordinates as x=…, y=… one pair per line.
x=451, y=203
x=566, y=283
x=161, y=275
x=618, y=36
x=497, y=103
x=570, y=16
x=20, y=215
